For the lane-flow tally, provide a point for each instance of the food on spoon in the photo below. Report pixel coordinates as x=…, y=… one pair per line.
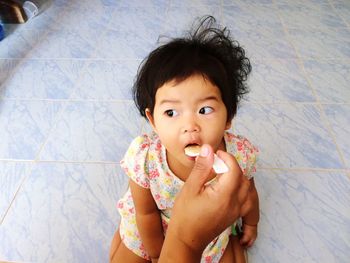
x=192, y=150
x=219, y=165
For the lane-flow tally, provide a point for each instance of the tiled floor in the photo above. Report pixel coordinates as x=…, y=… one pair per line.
x=66, y=118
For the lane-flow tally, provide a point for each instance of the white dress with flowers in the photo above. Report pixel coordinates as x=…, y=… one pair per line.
x=145, y=163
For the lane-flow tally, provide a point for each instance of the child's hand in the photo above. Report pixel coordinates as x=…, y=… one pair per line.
x=249, y=235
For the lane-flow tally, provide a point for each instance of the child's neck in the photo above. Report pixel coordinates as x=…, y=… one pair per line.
x=181, y=171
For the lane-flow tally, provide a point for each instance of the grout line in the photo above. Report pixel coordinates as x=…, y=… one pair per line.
x=243, y=102
x=19, y=188
x=325, y=59
x=325, y=29
x=74, y=59
x=338, y=14
x=258, y=59
x=294, y=102
x=58, y=161
x=328, y=126
x=68, y=100
x=306, y=169
x=303, y=169
x=16, y=160
x=73, y=162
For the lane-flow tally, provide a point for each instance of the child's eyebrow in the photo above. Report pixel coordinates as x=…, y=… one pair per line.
x=210, y=98
x=168, y=101
x=179, y=101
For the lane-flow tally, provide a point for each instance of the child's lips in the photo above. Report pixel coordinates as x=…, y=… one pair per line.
x=192, y=158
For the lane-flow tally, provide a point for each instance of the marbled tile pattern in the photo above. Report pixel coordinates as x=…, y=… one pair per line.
x=106, y=80
x=86, y=131
x=24, y=127
x=330, y=79
x=73, y=216
x=11, y=176
x=279, y=81
x=67, y=117
x=294, y=135
x=303, y=213
x=45, y=79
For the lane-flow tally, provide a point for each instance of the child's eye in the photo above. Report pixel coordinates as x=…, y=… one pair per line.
x=206, y=110
x=171, y=113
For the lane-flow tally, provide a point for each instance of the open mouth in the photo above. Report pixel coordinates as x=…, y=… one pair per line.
x=192, y=149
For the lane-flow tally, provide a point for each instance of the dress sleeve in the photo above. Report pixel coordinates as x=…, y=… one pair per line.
x=134, y=162
x=246, y=155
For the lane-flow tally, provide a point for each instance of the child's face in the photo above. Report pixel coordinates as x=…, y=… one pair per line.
x=189, y=112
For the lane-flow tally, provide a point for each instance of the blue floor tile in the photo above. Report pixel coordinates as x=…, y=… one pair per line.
x=289, y=136
x=65, y=212
x=305, y=217
x=96, y=131
x=67, y=118
x=24, y=126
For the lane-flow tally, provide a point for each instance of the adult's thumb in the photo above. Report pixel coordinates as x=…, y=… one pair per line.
x=202, y=168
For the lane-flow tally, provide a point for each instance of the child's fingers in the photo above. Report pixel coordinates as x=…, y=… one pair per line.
x=249, y=243
x=248, y=238
x=244, y=241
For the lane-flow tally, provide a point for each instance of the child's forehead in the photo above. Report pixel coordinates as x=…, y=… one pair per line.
x=196, y=79
x=194, y=87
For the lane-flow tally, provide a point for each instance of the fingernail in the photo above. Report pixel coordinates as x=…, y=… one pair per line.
x=204, y=151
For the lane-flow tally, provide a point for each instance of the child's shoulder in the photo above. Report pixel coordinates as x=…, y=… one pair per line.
x=231, y=137
x=244, y=151
x=239, y=142
x=144, y=142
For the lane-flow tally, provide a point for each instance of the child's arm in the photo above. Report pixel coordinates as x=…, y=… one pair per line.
x=148, y=220
x=251, y=219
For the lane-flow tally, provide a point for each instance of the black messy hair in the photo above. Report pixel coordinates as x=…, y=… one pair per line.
x=208, y=50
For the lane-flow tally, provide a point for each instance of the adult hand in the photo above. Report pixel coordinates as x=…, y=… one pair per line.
x=201, y=212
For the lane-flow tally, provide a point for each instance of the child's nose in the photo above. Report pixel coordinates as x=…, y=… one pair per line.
x=191, y=125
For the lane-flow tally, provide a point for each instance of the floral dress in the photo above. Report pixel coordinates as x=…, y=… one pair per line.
x=145, y=163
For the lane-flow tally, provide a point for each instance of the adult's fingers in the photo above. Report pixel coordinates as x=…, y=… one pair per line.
x=232, y=179
x=201, y=169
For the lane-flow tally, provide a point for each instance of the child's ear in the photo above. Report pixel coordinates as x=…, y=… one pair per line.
x=150, y=119
x=228, y=124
